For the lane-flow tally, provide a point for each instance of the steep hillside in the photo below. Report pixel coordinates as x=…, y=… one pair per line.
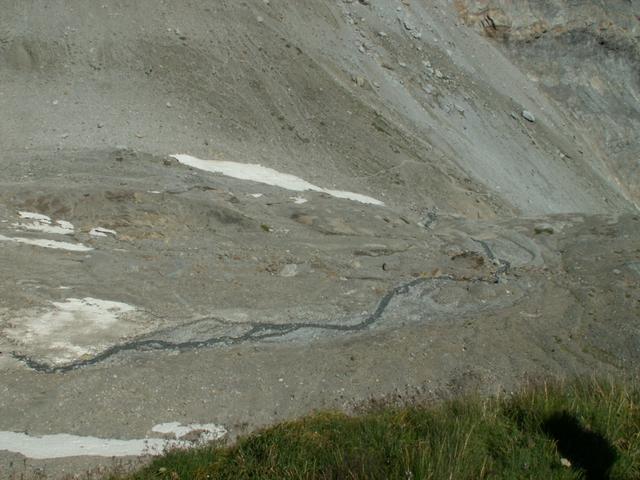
x=402, y=99
x=216, y=215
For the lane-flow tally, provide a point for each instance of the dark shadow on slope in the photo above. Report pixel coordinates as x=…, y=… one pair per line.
x=586, y=450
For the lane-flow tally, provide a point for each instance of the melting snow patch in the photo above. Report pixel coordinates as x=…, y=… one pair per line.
x=72, y=329
x=63, y=445
x=39, y=242
x=102, y=232
x=34, y=216
x=298, y=200
x=260, y=174
x=42, y=223
x=206, y=432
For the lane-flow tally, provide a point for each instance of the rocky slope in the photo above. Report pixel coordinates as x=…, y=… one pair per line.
x=377, y=199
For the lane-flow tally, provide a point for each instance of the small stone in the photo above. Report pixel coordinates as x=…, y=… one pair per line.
x=169, y=105
x=459, y=108
x=289, y=270
x=565, y=463
x=260, y=19
x=543, y=228
x=527, y=115
x=100, y=125
x=439, y=74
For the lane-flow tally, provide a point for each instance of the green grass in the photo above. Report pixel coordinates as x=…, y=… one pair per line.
x=593, y=425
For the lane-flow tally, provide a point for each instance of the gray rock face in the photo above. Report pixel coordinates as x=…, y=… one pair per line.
x=584, y=56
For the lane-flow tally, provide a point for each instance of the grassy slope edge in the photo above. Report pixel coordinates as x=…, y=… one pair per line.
x=577, y=430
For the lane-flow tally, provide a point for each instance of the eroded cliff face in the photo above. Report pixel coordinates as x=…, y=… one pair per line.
x=586, y=56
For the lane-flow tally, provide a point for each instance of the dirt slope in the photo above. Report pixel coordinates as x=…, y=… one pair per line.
x=441, y=241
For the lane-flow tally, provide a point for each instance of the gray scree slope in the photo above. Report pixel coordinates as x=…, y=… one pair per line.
x=506, y=248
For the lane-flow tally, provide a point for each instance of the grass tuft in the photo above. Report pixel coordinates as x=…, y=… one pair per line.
x=582, y=430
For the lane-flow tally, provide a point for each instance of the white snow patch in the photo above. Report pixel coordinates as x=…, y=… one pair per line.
x=42, y=223
x=102, y=232
x=65, y=224
x=208, y=431
x=256, y=195
x=72, y=328
x=99, y=313
x=38, y=242
x=34, y=216
x=64, y=445
x=260, y=174
x=298, y=200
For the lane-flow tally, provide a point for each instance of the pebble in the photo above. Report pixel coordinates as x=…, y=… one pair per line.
x=527, y=115
x=289, y=270
x=544, y=228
